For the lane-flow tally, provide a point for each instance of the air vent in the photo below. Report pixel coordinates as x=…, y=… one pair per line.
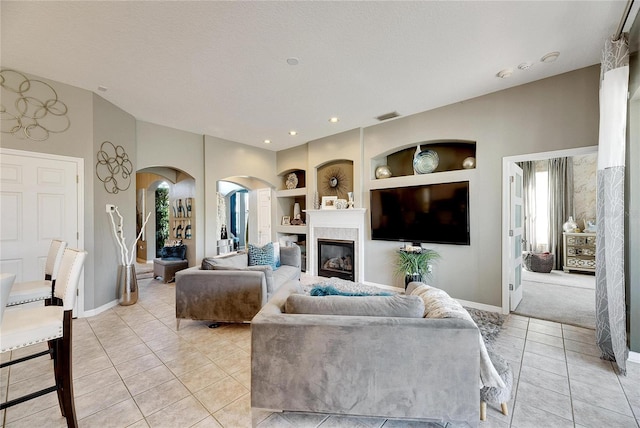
x=387, y=116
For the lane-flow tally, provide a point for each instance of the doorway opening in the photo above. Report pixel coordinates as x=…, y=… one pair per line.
x=562, y=296
x=162, y=216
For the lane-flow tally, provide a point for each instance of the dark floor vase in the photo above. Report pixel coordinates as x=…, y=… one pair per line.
x=416, y=277
x=127, y=285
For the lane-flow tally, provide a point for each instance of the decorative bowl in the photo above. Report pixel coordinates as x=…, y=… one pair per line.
x=383, y=171
x=425, y=162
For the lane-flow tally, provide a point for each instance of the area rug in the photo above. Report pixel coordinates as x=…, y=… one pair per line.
x=489, y=324
x=558, y=303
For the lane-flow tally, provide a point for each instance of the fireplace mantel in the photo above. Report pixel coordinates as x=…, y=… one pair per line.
x=336, y=224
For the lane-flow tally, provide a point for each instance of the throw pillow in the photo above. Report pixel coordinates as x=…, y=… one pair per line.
x=330, y=290
x=260, y=256
x=276, y=255
x=374, y=306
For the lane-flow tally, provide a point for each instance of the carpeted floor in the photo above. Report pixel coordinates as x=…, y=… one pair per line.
x=559, y=303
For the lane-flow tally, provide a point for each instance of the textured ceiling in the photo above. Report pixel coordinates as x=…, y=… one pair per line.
x=219, y=68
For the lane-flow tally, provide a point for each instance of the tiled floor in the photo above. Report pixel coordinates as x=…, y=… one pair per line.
x=133, y=369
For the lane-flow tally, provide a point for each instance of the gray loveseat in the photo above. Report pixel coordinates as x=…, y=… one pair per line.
x=230, y=290
x=392, y=367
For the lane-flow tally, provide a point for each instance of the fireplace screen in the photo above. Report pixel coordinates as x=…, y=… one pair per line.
x=336, y=258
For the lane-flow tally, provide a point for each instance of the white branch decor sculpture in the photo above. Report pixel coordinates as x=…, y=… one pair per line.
x=125, y=257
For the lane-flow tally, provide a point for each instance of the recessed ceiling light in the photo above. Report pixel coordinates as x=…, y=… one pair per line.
x=503, y=74
x=267, y=141
x=292, y=132
x=334, y=120
x=525, y=66
x=293, y=61
x=102, y=88
x=550, y=57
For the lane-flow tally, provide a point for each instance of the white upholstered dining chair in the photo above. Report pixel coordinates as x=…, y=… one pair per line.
x=41, y=289
x=23, y=326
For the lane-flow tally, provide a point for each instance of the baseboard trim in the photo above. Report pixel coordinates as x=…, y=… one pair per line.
x=480, y=306
x=634, y=357
x=99, y=310
x=383, y=286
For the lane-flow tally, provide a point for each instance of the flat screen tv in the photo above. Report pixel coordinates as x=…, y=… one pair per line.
x=433, y=213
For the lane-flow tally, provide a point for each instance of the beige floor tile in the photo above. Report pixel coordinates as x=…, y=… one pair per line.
x=87, y=405
x=236, y=414
x=48, y=401
x=122, y=414
x=209, y=422
x=608, y=399
x=161, y=396
x=95, y=381
x=235, y=362
x=596, y=417
x=86, y=367
x=303, y=420
x=545, y=338
x=200, y=378
x=138, y=365
x=244, y=377
x=550, y=324
x=146, y=380
x=187, y=363
x=163, y=342
x=33, y=368
x=544, y=379
x=545, y=350
x=551, y=330
x=525, y=416
x=49, y=418
x=583, y=348
x=122, y=354
x=599, y=377
x=544, y=399
x=183, y=413
x=548, y=364
x=175, y=350
x=586, y=336
x=218, y=395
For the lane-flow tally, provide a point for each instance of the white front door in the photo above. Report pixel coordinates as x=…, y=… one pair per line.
x=38, y=202
x=516, y=230
x=264, y=216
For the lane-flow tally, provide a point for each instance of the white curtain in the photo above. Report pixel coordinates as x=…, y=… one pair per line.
x=611, y=333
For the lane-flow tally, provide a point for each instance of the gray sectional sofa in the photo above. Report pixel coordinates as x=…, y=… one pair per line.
x=228, y=289
x=383, y=366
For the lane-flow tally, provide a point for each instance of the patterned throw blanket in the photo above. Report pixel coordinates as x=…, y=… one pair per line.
x=438, y=304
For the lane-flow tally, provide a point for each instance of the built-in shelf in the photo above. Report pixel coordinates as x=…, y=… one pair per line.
x=302, y=229
x=451, y=155
x=288, y=193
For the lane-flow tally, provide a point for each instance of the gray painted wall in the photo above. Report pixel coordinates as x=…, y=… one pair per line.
x=113, y=124
x=551, y=114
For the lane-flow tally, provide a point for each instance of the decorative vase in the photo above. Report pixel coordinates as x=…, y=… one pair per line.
x=296, y=210
x=570, y=225
x=350, y=203
x=316, y=201
x=127, y=285
x=415, y=277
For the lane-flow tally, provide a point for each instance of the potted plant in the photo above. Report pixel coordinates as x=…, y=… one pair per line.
x=415, y=263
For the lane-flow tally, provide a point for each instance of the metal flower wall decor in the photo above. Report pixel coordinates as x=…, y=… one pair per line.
x=30, y=107
x=114, y=168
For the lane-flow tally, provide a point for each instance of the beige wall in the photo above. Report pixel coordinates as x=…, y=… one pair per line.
x=552, y=114
x=161, y=146
x=224, y=159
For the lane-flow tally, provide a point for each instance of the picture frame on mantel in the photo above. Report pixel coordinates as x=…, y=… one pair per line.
x=329, y=202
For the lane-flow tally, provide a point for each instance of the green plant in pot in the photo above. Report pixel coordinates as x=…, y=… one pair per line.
x=415, y=263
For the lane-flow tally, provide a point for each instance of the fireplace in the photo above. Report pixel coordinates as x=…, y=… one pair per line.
x=336, y=258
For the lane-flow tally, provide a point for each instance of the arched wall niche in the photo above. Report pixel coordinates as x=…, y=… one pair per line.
x=182, y=186
x=335, y=178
